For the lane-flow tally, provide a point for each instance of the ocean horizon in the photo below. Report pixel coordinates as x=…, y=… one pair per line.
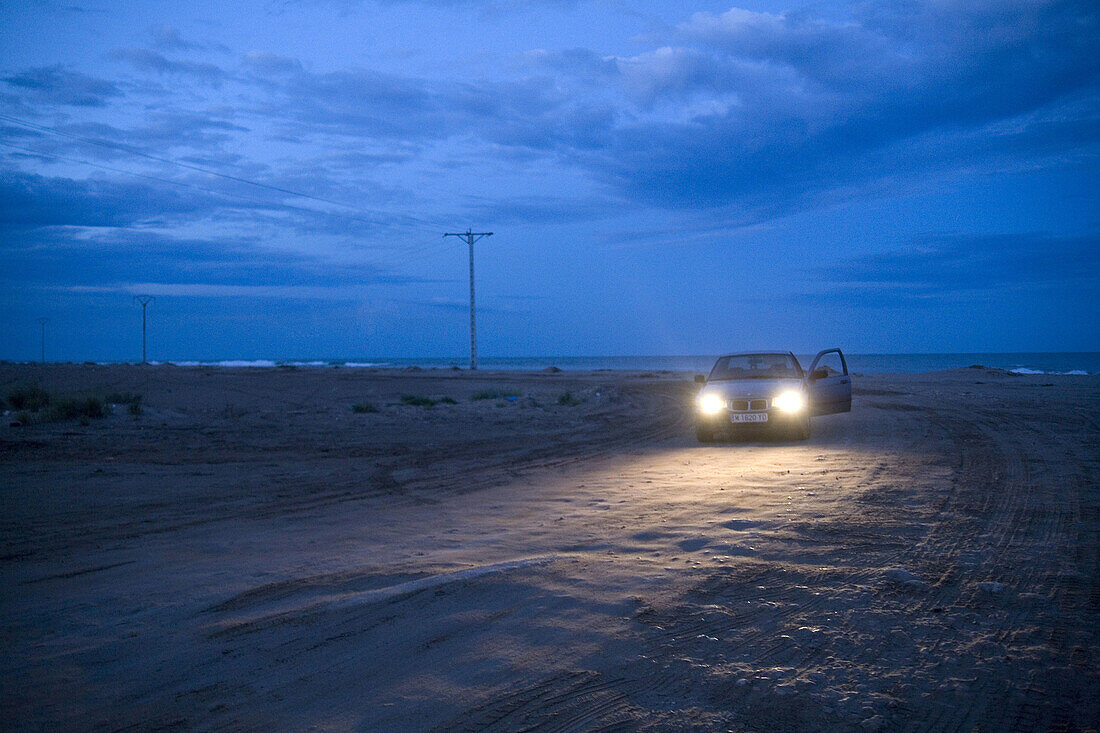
x=1071, y=363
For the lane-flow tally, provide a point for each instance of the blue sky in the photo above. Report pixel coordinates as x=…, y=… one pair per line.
x=660, y=177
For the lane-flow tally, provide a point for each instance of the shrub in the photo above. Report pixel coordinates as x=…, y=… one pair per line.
x=568, y=399
x=448, y=401
x=417, y=401
x=363, y=407
x=28, y=397
x=493, y=395
x=76, y=408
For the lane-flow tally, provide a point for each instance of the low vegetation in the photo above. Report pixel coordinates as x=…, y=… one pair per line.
x=568, y=400
x=362, y=408
x=417, y=401
x=493, y=395
x=29, y=397
x=35, y=405
x=76, y=408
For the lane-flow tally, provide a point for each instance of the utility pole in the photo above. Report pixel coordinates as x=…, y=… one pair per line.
x=470, y=238
x=42, y=322
x=144, y=300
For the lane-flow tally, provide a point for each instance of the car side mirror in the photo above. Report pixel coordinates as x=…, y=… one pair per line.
x=821, y=373
x=700, y=379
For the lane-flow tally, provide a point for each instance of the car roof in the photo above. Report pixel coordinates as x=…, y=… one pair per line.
x=757, y=353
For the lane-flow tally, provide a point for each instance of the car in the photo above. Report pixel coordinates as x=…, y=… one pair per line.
x=748, y=393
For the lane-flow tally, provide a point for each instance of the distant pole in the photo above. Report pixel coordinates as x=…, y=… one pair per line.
x=42, y=322
x=144, y=300
x=470, y=238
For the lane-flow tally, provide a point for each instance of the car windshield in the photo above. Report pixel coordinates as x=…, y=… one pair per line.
x=755, y=366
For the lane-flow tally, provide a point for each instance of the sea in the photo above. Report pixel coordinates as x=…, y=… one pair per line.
x=1079, y=363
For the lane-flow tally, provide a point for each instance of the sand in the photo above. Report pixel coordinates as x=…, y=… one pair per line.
x=250, y=553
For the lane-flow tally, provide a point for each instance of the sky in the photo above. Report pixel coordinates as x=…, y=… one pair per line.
x=659, y=177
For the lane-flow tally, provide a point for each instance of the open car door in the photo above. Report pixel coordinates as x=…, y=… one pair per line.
x=830, y=384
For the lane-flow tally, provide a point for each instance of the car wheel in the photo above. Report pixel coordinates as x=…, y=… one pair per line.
x=705, y=435
x=802, y=430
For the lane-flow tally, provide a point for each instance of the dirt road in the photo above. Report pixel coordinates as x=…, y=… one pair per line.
x=250, y=553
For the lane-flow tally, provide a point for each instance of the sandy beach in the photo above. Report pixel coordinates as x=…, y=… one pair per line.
x=546, y=551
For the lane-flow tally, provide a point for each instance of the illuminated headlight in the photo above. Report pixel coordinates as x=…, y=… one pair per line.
x=789, y=402
x=711, y=403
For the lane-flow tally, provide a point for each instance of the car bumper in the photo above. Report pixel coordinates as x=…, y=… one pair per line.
x=777, y=419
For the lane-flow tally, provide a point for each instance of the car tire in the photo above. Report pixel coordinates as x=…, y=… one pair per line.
x=705, y=435
x=802, y=430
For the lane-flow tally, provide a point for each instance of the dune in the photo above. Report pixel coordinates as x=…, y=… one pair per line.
x=270, y=548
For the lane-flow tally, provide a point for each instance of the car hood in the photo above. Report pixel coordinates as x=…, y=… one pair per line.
x=750, y=388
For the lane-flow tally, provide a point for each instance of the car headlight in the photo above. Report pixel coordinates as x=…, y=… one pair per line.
x=710, y=404
x=789, y=401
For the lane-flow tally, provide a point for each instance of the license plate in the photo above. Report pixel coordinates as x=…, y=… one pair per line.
x=749, y=417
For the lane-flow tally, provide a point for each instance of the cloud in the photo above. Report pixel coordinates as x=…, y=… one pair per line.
x=167, y=36
x=264, y=64
x=204, y=290
x=580, y=62
x=29, y=201
x=540, y=209
x=965, y=264
x=752, y=106
x=368, y=104
x=144, y=59
x=755, y=114
x=166, y=129
x=492, y=118
x=118, y=260
x=57, y=85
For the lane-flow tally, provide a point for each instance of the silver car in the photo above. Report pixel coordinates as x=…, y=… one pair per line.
x=751, y=392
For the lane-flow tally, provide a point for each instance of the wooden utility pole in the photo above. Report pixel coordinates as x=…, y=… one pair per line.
x=470, y=238
x=144, y=300
x=42, y=322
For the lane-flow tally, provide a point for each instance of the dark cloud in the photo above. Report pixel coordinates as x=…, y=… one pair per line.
x=939, y=266
x=367, y=104
x=166, y=129
x=755, y=113
x=57, y=85
x=144, y=59
x=29, y=201
x=762, y=112
x=68, y=257
x=265, y=64
x=541, y=209
x=772, y=111
x=167, y=36
x=581, y=62
x=801, y=103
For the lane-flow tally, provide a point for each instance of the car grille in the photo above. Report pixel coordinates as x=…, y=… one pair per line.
x=743, y=405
